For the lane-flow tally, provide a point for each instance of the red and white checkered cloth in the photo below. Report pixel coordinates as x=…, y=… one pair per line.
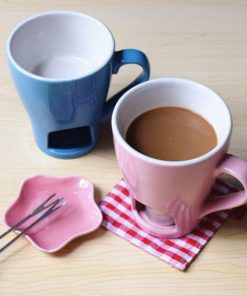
x=179, y=253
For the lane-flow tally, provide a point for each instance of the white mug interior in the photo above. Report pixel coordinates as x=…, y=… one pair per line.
x=176, y=92
x=60, y=45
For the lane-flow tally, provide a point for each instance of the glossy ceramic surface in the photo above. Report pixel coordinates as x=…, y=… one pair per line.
x=61, y=63
x=78, y=217
x=174, y=192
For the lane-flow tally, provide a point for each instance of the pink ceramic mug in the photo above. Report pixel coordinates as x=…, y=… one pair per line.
x=173, y=193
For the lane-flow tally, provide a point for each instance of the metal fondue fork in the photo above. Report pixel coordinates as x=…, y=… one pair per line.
x=51, y=208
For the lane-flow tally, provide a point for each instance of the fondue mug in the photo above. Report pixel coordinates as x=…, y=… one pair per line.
x=168, y=198
x=62, y=63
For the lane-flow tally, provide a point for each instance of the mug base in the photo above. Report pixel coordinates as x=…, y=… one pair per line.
x=68, y=153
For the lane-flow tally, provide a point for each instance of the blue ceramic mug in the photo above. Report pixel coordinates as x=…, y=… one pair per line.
x=62, y=63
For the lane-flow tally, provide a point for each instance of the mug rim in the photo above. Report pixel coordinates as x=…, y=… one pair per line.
x=155, y=161
x=55, y=12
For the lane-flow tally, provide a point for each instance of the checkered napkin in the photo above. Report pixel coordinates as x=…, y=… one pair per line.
x=179, y=253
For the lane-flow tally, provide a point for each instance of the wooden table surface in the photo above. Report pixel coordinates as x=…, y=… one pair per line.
x=200, y=40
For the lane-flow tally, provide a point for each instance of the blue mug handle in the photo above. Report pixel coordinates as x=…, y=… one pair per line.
x=120, y=58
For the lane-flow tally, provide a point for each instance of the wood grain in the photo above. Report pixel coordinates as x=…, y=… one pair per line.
x=200, y=40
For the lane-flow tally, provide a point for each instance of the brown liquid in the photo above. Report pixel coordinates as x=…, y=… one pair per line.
x=171, y=133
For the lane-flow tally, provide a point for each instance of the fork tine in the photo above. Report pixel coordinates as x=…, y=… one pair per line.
x=42, y=206
x=57, y=205
x=54, y=204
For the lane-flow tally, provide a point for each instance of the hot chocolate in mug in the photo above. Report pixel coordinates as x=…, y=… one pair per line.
x=62, y=63
x=168, y=198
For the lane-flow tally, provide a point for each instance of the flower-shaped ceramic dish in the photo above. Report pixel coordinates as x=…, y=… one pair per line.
x=79, y=216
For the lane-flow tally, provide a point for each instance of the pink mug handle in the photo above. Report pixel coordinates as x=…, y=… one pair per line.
x=236, y=167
